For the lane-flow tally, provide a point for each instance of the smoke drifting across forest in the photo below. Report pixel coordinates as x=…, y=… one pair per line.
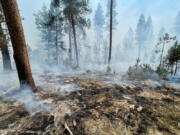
x=154, y=18
x=84, y=63
x=127, y=14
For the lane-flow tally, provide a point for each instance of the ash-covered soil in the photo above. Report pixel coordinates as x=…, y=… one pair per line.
x=95, y=104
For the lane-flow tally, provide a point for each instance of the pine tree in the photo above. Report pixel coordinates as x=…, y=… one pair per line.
x=114, y=14
x=173, y=57
x=56, y=22
x=140, y=35
x=74, y=11
x=41, y=18
x=99, y=20
x=49, y=22
x=156, y=48
x=128, y=40
x=148, y=46
x=149, y=31
x=112, y=23
x=99, y=23
x=128, y=45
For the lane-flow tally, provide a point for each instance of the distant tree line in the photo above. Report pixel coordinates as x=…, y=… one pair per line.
x=69, y=19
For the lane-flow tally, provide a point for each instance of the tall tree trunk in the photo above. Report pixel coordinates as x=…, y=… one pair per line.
x=172, y=69
x=4, y=50
x=70, y=45
x=16, y=32
x=6, y=58
x=110, y=38
x=48, y=48
x=176, y=67
x=75, y=40
x=56, y=42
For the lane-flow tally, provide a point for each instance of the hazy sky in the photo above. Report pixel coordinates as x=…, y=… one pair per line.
x=163, y=13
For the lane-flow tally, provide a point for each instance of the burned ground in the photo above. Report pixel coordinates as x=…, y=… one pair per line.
x=97, y=107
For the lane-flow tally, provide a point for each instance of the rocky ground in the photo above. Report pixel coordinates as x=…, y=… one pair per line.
x=95, y=104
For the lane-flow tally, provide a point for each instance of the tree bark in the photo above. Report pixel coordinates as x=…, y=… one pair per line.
x=4, y=50
x=56, y=42
x=110, y=38
x=75, y=40
x=16, y=32
x=70, y=46
x=48, y=48
x=176, y=67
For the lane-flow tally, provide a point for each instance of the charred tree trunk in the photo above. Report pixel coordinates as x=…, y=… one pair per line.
x=172, y=69
x=70, y=46
x=48, y=48
x=75, y=40
x=176, y=67
x=56, y=42
x=110, y=29
x=16, y=32
x=6, y=58
x=4, y=50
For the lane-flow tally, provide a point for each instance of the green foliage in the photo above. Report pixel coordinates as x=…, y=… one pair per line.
x=173, y=58
x=108, y=70
x=145, y=71
x=74, y=9
x=173, y=54
x=146, y=68
x=141, y=72
x=162, y=72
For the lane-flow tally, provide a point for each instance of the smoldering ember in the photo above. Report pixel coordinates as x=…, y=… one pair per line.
x=89, y=67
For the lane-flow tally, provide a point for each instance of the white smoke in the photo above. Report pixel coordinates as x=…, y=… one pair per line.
x=25, y=96
x=9, y=90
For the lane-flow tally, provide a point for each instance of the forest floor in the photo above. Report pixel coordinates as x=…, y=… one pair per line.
x=94, y=103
